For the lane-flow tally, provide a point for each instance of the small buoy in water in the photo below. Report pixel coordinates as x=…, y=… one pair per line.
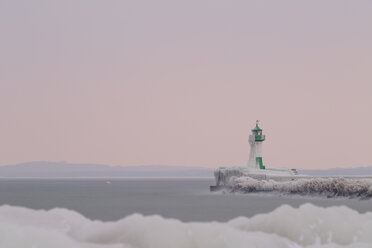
x=108, y=182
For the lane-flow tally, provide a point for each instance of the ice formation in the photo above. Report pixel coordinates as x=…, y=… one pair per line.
x=285, y=227
x=330, y=187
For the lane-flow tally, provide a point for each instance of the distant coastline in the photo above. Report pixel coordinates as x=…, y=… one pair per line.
x=53, y=170
x=44, y=169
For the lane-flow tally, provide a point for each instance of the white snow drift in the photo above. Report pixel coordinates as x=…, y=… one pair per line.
x=307, y=226
x=330, y=187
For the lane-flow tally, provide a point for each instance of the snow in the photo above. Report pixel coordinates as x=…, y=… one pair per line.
x=306, y=226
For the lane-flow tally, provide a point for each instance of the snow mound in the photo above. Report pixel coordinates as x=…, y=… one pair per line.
x=330, y=187
x=285, y=227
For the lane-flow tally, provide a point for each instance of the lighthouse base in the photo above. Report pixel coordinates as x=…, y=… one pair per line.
x=223, y=175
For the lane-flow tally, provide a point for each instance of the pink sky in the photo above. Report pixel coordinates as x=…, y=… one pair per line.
x=183, y=82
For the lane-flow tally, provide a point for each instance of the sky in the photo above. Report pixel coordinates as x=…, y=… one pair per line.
x=183, y=82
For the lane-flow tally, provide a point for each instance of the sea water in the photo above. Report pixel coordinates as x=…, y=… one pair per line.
x=183, y=199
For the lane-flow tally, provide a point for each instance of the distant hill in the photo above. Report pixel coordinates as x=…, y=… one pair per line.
x=43, y=169
x=357, y=171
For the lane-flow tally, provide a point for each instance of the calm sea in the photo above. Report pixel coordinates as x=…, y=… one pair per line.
x=184, y=199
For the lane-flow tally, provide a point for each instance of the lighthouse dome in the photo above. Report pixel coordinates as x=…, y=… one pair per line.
x=256, y=128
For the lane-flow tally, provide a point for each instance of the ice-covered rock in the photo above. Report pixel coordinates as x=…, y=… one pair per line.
x=286, y=181
x=330, y=187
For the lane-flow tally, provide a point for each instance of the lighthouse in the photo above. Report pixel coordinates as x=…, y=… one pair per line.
x=255, y=168
x=255, y=141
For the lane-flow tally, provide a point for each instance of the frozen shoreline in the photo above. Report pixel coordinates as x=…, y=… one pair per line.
x=306, y=226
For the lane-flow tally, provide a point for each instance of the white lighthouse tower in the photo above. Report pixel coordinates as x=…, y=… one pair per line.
x=255, y=168
x=255, y=156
